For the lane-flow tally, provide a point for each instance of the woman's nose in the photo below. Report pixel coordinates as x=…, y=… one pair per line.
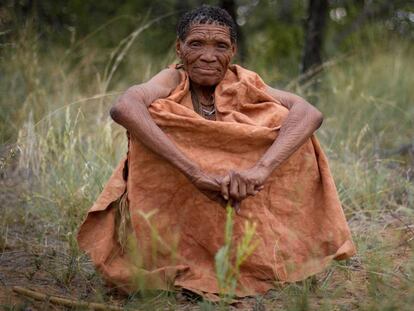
x=208, y=55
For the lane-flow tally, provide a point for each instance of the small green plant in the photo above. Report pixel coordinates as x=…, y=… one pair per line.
x=228, y=265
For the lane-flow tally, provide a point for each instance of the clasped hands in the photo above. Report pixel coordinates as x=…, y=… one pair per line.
x=234, y=187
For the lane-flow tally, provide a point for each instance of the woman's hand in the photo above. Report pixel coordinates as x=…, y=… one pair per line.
x=209, y=185
x=234, y=187
x=237, y=185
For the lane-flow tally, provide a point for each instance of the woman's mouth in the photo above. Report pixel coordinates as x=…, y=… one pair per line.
x=206, y=70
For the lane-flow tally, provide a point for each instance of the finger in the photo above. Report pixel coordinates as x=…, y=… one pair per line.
x=250, y=189
x=242, y=190
x=235, y=204
x=225, y=187
x=234, y=186
x=258, y=189
x=261, y=187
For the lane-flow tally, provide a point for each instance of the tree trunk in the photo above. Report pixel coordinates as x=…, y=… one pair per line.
x=231, y=7
x=286, y=11
x=314, y=32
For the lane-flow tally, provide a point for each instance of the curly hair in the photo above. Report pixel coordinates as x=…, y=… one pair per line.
x=206, y=14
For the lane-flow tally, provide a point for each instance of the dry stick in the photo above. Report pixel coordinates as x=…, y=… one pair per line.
x=63, y=301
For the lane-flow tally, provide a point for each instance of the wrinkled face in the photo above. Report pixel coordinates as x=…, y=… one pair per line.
x=206, y=53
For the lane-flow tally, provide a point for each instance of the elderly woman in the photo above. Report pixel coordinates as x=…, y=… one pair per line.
x=202, y=134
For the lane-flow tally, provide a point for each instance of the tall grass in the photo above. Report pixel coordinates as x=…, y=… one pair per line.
x=54, y=114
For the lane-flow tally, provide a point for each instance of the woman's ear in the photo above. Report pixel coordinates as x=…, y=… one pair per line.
x=178, y=47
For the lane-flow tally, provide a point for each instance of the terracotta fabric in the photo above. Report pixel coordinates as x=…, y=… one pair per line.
x=177, y=230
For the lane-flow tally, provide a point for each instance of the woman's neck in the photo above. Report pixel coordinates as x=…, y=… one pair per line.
x=202, y=91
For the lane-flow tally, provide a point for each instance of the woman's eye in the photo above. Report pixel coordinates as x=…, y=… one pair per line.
x=195, y=44
x=222, y=46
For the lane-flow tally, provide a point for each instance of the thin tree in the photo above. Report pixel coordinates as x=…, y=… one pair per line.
x=314, y=34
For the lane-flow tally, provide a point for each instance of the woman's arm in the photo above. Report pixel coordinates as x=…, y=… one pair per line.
x=131, y=111
x=302, y=121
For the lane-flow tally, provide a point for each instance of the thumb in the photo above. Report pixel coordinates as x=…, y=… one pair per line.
x=225, y=187
x=260, y=187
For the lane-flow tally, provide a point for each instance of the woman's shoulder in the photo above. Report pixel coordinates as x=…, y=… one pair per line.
x=245, y=75
x=168, y=78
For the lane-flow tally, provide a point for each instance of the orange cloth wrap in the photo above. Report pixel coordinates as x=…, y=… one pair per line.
x=177, y=230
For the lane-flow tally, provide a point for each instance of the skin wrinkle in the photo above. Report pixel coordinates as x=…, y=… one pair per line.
x=207, y=46
x=206, y=53
x=131, y=111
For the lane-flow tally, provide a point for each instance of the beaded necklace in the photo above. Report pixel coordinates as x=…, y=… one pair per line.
x=204, y=110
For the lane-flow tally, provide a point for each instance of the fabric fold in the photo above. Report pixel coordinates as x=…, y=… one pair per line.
x=177, y=230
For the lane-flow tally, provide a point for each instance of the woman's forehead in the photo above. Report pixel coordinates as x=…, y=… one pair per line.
x=210, y=30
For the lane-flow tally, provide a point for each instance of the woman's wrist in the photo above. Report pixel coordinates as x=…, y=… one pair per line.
x=266, y=167
x=189, y=169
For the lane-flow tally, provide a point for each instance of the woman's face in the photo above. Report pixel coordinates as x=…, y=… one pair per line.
x=206, y=53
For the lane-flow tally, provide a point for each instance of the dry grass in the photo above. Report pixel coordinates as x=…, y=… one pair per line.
x=58, y=147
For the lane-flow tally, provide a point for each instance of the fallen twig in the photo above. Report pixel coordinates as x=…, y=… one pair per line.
x=63, y=301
